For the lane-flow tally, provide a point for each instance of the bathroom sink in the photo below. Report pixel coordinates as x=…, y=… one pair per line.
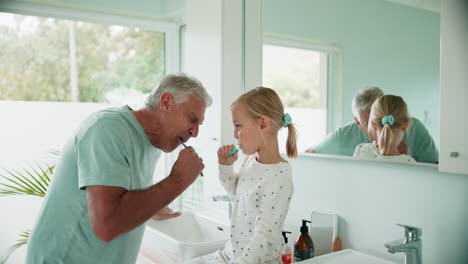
x=182, y=238
x=347, y=256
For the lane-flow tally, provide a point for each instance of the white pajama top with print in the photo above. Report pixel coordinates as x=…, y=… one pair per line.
x=370, y=151
x=261, y=194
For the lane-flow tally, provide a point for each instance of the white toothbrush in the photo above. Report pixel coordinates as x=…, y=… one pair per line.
x=185, y=146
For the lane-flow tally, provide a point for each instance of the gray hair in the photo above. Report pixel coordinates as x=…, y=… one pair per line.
x=181, y=86
x=364, y=99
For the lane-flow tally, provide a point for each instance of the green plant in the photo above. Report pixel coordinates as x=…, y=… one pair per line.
x=29, y=180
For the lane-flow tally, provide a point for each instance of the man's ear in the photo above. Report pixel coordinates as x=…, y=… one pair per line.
x=166, y=101
x=357, y=122
x=373, y=125
x=404, y=127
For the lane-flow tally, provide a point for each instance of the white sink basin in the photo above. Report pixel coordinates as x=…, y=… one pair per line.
x=182, y=238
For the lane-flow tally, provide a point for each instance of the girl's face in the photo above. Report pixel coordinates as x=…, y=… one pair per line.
x=247, y=130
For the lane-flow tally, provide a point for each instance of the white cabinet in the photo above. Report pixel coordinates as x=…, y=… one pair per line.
x=453, y=154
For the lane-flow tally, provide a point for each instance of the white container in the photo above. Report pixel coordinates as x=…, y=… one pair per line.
x=182, y=238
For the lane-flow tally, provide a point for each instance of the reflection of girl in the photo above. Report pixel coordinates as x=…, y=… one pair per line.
x=389, y=118
x=262, y=190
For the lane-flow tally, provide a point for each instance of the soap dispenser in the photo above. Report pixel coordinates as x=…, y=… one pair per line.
x=287, y=255
x=304, y=246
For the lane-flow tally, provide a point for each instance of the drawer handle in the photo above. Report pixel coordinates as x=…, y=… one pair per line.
x=454, y=154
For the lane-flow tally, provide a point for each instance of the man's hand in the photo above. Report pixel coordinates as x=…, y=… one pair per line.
x=165, y=213
x=224, y=158
x=187, y=166
x=311, y=150
x=403, y=148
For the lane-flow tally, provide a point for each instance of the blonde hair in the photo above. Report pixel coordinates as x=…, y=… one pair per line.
x=263, y=101
x=384, y=106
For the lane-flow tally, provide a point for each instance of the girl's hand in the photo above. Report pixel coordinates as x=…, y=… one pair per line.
x=403, y=148
x=223, y=157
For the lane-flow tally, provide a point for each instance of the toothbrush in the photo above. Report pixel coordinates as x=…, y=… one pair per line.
x=234, y=150
x=185, y=146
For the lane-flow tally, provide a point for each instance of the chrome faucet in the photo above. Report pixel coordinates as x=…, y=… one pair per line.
x=410, y=245
x=224, y=198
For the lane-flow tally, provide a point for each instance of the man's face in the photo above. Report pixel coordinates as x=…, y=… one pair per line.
x=363, y=123
x=179, y=121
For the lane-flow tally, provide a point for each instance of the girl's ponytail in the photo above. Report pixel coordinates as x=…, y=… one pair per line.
x=291, y=142
x=385, y=139
x=389, y=112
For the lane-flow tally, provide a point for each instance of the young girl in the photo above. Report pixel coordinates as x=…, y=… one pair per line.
x=389, y=119
x=262, y=190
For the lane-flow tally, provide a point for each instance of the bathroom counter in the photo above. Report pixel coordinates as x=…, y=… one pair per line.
x=346, y=256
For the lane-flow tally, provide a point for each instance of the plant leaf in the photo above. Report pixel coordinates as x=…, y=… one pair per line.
x=20, y=242
x=37, y=178
x=20, y=177
x=15, y=182
x=34, y=180
x=19, y=184
x=29, y=181
x=13, y=190
x=44, y=178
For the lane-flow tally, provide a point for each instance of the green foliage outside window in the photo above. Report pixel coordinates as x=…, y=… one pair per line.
x=35, y=58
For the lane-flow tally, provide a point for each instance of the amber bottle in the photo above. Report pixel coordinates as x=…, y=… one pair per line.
x=304, y=246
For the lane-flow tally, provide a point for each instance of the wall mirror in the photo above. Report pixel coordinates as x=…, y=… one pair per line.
x=318, y=54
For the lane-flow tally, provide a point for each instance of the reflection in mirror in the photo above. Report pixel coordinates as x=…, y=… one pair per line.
x=319, y=54
x=299, y=75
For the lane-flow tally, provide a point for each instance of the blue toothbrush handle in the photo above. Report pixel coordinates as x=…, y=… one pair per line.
x=234, y=150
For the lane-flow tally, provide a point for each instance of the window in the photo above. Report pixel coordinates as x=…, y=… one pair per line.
x=47, y=59
x=55, y=72
x=300, y=77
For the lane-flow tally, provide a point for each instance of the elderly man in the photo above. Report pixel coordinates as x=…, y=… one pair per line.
x=102, y=192
x=417, y=141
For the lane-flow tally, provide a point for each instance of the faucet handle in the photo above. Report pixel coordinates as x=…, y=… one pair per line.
x=412, y=233
x=224, y=198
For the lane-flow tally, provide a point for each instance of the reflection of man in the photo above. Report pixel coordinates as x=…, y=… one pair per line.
x=101, y=193
x=417, y=142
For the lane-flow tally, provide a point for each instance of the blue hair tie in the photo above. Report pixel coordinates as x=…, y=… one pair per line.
x=388, y=120
x=287, y=120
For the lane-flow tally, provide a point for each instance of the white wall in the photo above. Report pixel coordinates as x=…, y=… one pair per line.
x=213, y=49
x=370, y=198
x=31, y=129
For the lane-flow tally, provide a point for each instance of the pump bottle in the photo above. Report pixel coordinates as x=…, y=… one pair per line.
x=287, y=255
x=304, y=246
